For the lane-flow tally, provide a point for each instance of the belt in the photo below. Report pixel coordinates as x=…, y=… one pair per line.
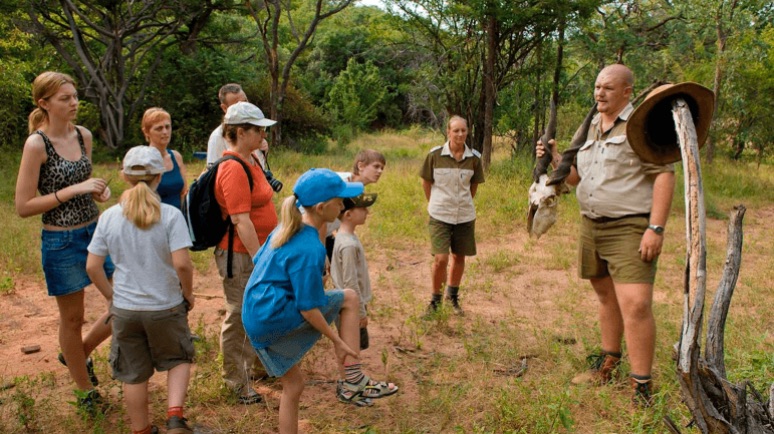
x=612, y=219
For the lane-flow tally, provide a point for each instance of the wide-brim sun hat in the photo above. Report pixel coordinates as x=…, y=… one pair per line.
x=143, y=160
x=322, y=185
x=244, y=112
x=651, y=127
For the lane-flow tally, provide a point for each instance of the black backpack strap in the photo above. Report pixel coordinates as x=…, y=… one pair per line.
x=231, y=230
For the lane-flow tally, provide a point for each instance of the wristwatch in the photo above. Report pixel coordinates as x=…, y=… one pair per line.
x=659, y=230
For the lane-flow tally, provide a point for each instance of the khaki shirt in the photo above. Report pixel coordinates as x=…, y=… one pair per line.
x=450, y=198
x=349, y=268
x=614, y=181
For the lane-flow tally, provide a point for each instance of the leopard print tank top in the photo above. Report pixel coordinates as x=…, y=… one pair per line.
x=57, y=173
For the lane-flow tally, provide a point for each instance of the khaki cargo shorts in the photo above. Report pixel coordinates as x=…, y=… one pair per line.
x=460, y=239
x=612, y=249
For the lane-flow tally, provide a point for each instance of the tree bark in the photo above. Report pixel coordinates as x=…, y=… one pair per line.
x=717, y=405
x=489, y=89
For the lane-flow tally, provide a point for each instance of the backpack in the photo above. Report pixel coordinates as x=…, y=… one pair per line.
x=201, y=210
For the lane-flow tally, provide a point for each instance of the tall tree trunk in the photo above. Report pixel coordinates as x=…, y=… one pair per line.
x=720, y=64
x=489, y=88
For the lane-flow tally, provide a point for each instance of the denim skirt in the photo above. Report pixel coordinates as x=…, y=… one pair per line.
x=63, y=254
x=288, y=350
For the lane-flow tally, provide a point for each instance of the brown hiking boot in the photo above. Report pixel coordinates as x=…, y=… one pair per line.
x=602, y=367
x=643, y=392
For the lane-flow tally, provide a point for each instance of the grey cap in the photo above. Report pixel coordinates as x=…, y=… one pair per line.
x=143, y=160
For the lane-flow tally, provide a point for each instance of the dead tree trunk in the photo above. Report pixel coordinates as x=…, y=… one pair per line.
x=717, y=405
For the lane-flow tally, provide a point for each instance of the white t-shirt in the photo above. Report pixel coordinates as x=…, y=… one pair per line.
x=145, y=279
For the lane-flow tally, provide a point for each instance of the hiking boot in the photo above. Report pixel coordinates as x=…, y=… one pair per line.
x=602, y=367
x=455, y=302
x=89, y=369
x=432, y=309
x=643, y=392
x=178, y=425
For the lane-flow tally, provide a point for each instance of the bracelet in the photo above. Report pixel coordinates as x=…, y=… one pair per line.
x=57, y=198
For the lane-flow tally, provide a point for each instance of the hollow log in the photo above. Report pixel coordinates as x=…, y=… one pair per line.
x=717, y=405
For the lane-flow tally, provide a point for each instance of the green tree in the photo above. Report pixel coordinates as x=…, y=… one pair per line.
x=114, y=48
x=356, y=95
x=283, y=42
x=479, y=48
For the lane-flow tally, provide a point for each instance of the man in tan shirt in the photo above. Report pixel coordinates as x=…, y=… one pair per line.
x=624, y=204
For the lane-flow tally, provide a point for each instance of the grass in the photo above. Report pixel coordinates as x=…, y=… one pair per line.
x=456, y=374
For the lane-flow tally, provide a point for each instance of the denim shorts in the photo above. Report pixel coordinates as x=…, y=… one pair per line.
x=63, y=254
x=288, y=350
x=148, y=340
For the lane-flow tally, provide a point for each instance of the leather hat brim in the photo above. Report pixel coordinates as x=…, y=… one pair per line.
x=651, y=129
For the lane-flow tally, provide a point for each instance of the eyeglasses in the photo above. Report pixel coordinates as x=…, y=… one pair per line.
x=264, y=129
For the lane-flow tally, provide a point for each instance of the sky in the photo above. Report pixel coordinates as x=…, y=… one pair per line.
x=371, y=3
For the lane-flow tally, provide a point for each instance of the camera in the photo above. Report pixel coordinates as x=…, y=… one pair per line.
x=275, y=183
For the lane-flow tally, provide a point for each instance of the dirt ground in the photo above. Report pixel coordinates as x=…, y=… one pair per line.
x=29, y=317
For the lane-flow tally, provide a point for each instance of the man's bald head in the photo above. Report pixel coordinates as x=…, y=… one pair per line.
x=613, y=89
x=620, y=72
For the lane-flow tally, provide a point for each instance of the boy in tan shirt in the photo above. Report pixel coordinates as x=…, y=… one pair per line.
x=349, y=268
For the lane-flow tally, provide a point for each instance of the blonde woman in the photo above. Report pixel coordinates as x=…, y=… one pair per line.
x=55, y=181
x=286, y=310
x=152, y=291
x=157, y=127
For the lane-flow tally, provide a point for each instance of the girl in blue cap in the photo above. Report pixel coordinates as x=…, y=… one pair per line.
x=286, y=308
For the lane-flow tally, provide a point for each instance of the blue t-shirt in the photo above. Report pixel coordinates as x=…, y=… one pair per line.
x=171, y=184
x=284, y=282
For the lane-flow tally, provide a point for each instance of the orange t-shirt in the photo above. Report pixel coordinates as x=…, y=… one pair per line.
x=234, y=197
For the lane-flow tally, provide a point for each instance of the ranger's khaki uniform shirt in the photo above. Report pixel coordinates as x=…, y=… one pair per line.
x=614, y=181
x=450, y=198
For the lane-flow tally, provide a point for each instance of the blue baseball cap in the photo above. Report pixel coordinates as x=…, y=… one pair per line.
x=321, y=185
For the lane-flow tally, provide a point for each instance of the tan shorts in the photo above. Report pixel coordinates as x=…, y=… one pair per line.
x=612, y=249
x=460, y=239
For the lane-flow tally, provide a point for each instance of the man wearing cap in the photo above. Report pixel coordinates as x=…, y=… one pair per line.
x=624, y=204
x=228, y=95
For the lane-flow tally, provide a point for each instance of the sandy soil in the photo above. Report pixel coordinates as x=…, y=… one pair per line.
x=29, y=317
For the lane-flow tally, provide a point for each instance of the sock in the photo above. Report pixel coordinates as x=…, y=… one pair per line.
x=146, y=430
x=175, y=411
x=642, y=379
x=452, y=291
x=610, y=353
x=436, y=299
x=353, y=373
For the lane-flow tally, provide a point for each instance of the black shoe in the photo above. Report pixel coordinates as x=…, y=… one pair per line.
x=455, y=302
x=363, y=338
x=432, y=309
x=90, y=403
x=251, y=398
x=89, y=369
x=178, y=425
